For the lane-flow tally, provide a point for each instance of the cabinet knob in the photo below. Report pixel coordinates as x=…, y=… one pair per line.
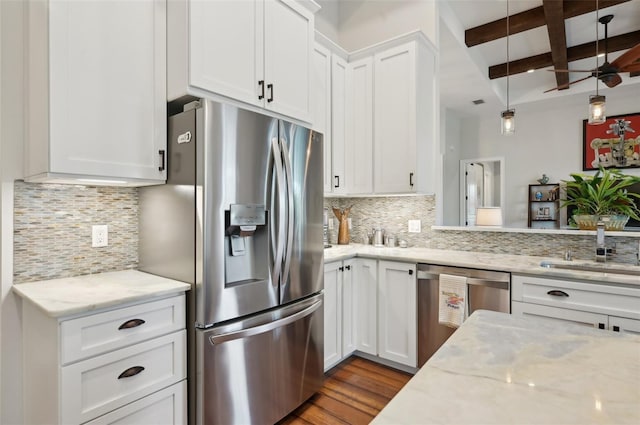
x=341, y=269
x=600, y=325
x=616, y=328
x=348, y=267
x=410, y=272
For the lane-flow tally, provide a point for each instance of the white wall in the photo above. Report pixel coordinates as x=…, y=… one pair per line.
x=548, y=140
x=11, y=136
x=451, y=132
x=366, y=22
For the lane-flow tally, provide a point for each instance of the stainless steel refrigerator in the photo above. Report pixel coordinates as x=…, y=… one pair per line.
x=240, y=218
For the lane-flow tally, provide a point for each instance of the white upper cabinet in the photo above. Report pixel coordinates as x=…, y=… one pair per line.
x=258, y=52
x=96, y=91
x=321, y=105
x=358, y=151
x=404, y=120
x=339, y=138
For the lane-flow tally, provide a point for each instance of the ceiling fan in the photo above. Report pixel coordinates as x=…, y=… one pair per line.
x=608, y=73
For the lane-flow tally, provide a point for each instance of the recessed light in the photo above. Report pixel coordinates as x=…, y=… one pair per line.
x=478, y=101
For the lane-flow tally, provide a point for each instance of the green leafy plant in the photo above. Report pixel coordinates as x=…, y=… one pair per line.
x=604, y=193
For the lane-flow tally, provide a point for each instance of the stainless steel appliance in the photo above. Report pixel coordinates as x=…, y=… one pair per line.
x=240, y=218
x=486, y=290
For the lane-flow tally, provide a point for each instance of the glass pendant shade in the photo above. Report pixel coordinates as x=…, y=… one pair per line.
x=508, y=122
x=597, y=113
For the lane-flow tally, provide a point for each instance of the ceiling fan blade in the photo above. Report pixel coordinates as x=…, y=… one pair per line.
x=566, y=86
x=634, y=67
x=570, y=70
x=628, y=57
x=612, y=80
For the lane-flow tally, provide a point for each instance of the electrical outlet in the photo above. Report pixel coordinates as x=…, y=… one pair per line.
x=330, y=223
x=99, y=235
x=414, y=226
x=349, y=220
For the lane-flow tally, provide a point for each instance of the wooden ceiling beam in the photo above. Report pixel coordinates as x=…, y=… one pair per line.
x=554, y=16
x=530, y=19
x=582, y=51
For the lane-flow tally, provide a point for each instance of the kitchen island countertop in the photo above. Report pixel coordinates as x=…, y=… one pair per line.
x=524, y=264
x=502, y=369
x=80, y=294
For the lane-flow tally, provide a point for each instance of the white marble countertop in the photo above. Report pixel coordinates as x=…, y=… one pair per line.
x=501, y=369
x=524, y=264
x=80, y=294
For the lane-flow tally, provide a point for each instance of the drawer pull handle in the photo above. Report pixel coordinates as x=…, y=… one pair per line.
x=133, y=323
x=132, y=371
x=557, y=293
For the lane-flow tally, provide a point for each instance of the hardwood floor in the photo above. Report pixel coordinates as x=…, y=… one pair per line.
x=353, y=393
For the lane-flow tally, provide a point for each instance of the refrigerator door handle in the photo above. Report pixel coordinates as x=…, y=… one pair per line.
x=266, y=327
x=279, y=170
x=290, y=208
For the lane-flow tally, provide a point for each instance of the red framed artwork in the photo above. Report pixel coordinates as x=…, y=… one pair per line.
x=612, y=144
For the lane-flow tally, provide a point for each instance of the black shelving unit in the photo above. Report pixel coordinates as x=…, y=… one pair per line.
x=544, y=206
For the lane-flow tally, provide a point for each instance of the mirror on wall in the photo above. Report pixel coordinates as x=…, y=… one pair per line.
x=481, y=185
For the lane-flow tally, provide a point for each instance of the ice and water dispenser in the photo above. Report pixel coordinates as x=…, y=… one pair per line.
x=246, y=241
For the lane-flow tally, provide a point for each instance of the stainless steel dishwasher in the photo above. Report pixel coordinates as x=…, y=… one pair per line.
x=486, y=290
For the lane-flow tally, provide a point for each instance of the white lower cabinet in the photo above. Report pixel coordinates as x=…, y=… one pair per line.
x=120, y=365
x=600, y=305
x=365, y=283
x=339, y=340
x=397, y=312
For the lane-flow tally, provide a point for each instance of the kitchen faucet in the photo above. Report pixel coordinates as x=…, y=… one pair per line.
x=601, y=247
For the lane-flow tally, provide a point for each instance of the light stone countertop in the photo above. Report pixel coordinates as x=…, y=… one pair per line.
x=523, y=264
x=80, y=294
x=502, y=369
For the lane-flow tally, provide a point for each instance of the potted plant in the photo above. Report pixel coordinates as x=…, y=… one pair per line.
x=602, y=197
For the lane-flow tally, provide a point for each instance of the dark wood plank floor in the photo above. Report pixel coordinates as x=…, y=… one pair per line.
x=353, y=393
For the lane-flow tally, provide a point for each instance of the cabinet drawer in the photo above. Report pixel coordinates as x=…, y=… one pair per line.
x=591, y=297
x=98, y=385
x=168, y=406
x=98, y=333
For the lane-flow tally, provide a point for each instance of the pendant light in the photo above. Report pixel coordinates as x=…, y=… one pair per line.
x=597, y=104
x=507, y=117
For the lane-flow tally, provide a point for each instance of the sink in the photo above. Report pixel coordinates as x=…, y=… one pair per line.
x=591, y=267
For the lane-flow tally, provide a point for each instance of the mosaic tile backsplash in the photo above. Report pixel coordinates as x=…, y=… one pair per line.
x=52, y=230
x=392, y=213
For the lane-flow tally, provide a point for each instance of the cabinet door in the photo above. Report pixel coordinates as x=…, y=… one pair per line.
x=359, y=118
x=560, y=314
x=348, y=311
x=395, y=119
x=107, y=87
x=321, y=106
x=623, y=324
x=397, y=312
x=366, y=305
x=226, y=48
x=332, y=316
x=339, y=78
x=288, y=48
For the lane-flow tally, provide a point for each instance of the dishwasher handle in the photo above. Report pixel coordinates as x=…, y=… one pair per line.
x=424, y=275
